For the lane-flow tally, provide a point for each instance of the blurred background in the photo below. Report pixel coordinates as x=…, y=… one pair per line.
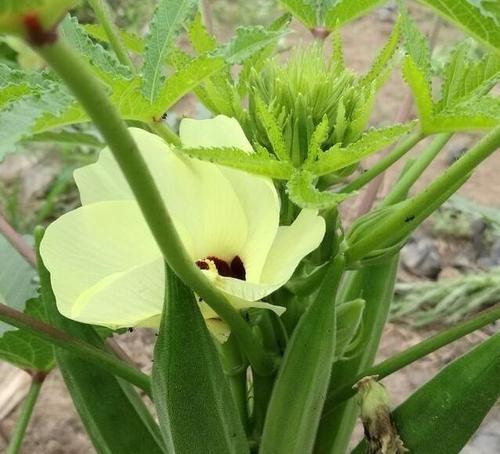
x=449, y=270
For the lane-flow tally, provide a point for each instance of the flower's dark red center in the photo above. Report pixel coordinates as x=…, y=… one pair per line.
x=234, y=269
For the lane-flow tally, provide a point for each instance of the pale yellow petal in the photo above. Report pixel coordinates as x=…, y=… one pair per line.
x=94, y=245
x=196, y=194
x=220, y=131
x=291, y=245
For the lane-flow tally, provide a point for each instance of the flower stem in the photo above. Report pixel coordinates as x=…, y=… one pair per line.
x=76, y=346
x=383, y=164
x=91, y=95
x=416, y=209
x=412, y=354
x=23, y=420
x=409, y=178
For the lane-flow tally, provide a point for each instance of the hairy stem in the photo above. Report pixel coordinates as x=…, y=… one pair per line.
x=416, y=209
x=412, y=354
x=85, y=351
x=383, y=164
x=418, y=167
x=91, y=95
x=24, y=417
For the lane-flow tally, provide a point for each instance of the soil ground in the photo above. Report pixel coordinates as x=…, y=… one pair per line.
x=56, y=429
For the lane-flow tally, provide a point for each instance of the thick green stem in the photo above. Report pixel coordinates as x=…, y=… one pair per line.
x=165, y=133
x=23, y=420
x=235, y=368
x=416, y=209
x=412, y=354
x=418, y=167
x=85, y=351
x=103, y=15
x=91, y=95
x=383, y=164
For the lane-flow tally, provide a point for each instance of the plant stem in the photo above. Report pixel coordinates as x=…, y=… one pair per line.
x=90, y=93
x=103, y=14
x=415, y=210
x=17, y=241
x=76, y=346
x=383, y=164
x=162, y=129
x=412, y=354
x=409, y=178
x=23, y=420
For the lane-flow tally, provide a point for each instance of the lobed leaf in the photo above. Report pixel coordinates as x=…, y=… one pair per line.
x=302, y=191
x=480, y=18
x=23, y=349
x=132, y=41
x=302, y=10
x=344, y=11
x=374, y=140
x=201, y=40
x=255, y=163
x=169, y=17
x=75, y=35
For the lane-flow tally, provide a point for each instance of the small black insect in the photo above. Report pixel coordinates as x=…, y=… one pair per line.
x=164, y=116
x=409, y=218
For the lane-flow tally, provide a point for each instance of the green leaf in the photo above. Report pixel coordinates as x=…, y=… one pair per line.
x=374, y=140
x=416, y=44
x=68, y=137
x=201, y=40
x=318, y=137
x=302, y=10
x=291, y=423
x=239, y=159
x=18, y=119
x=441, y=416
x=132, y=41
x=17, y=278
x=384, y=57
x=168, y=19
x=193, y=400
x=25, y=350
x=464, y=78
x=115, y=418
x=246, y=42
x=100, y=58
x=344, y=11
x=302, y=191
x=480, y=18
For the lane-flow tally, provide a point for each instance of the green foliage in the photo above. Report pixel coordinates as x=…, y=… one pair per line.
x=349, y=316
x=99, y=58
x=257, y=163
x=168, y=19
x=132, y=41
x=480, y=18
x=291, y=424
x=464, y=103
x=17, y=278
x=328, y=13
x=442, y=415
x=337, y=157
x=302, y=191
x=25, y=350
x=193, y=400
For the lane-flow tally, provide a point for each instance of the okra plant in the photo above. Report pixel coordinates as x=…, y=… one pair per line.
x=226, y=236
